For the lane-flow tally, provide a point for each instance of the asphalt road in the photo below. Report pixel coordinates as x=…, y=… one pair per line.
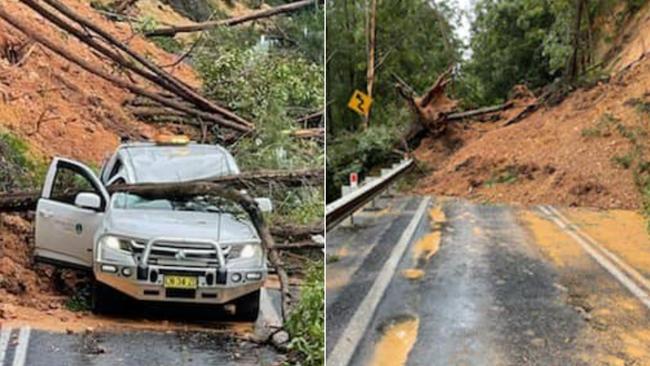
x=497, y=286
x=212, y=345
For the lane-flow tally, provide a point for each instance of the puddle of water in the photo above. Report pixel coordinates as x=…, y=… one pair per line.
x=396, y=342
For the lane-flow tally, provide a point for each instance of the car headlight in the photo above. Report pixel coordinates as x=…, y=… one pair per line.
x=114, y=249
x=116, y=243
x=249, y=251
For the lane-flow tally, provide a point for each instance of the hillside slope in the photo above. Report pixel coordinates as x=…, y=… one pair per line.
x=81, y=116
x=587, y=151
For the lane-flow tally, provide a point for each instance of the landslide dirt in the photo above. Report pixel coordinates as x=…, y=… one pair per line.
x=572, y=154
x=81, y=116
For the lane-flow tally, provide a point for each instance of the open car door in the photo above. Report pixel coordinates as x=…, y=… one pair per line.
x=70, y=210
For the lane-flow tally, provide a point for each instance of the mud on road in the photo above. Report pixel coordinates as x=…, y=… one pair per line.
x=50, y=305
x=490, y=285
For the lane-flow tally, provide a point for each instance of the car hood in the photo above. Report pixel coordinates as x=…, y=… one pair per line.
x=148, y=224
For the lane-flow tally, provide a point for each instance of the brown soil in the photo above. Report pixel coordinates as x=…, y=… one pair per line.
x=561, y=155
x=23, y=284
x=81, y=115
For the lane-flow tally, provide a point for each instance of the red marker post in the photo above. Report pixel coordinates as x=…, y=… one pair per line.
x=354, y=179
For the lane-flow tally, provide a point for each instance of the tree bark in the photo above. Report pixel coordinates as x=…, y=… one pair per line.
x=478, y=112
x=572, y=71
x=260, y=14
x=297, y=232
x=311, y=117
x=309, y=133
x=307, y=244
x=370, y=72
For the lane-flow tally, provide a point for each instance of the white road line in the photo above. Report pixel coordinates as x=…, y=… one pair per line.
x=624, y=266
x=608, y=265
x=21, y=349
x=5, y=333
x=349, y=340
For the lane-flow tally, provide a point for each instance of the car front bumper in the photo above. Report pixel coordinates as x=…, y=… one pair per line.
x=213, y=286
x=144, y=279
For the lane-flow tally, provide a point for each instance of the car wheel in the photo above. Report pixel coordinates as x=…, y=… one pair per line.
x=106, y=300
x=247, y=307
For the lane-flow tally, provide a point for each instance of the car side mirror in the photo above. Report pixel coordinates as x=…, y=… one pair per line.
x=88, y=200
x=264, y=204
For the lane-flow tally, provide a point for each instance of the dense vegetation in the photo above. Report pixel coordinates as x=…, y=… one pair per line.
x=272, y=74
x=19, y=170
x=415, y=42
x=537, y=43
x=307, y=323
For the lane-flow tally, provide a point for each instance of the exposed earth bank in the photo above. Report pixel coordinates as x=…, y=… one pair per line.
x=589, y=150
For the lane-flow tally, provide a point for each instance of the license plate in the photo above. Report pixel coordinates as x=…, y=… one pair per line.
x=180, y=282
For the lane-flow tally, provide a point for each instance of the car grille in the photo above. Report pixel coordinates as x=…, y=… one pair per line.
x=179, y=254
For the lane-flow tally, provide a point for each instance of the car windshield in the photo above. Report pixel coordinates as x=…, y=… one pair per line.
x=130, y=201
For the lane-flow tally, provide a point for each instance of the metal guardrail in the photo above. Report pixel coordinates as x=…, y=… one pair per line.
x=345, y=206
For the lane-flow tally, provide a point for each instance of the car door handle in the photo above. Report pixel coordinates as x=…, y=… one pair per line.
x=45, y=213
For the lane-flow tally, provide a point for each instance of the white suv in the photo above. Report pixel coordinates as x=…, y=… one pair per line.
x=198, y=250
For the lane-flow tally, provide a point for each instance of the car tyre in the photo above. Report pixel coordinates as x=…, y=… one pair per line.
x=106, y=300
x=247, y=307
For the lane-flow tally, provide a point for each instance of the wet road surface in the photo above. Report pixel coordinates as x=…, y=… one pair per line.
x=482, y=285
x=213, y=342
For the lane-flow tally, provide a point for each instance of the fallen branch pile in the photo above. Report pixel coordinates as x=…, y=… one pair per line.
x=177, y=95
x=260, y=14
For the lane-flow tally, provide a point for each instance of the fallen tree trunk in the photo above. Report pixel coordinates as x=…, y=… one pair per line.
x=260, y=14
x=478, y=112
x=307, y=244
x=156, y=74
x=297, y=232
x=311, y=117
x=155, y=112
x=26, y=201
x=59, y=50
x=308, y=133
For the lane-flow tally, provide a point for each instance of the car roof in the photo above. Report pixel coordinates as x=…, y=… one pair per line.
x=153, y=163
